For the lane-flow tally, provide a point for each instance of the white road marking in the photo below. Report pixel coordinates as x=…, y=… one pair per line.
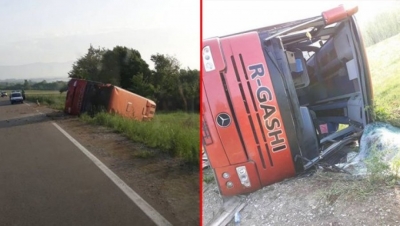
x=141, y=203
x=27, y=104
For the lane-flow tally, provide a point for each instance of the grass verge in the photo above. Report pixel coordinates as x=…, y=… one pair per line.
x=208, y=179
x=55, y=101
x=174, y=133
x=384, y=64
x=380, y=174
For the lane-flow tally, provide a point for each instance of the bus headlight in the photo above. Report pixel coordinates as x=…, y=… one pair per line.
x=208, y=59
x=243, y=176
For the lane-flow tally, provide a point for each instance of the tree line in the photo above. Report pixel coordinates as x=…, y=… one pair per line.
x=170, y=86
x=29, y=85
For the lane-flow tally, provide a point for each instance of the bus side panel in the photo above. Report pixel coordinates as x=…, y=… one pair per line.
x=130, y=105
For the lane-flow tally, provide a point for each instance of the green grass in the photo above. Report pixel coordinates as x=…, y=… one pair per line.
x=208, y=178
x=174, y=133
x=144, y=154
x=380, y=174
x=56, y=101
x=43, y=92
x=384, y=64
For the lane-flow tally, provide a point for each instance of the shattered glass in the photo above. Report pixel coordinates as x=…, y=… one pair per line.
x=380, y=138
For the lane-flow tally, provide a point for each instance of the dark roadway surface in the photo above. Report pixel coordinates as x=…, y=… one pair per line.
x=46, y=180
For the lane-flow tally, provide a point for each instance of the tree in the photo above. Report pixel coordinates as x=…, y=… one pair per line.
x=26, y=85
x=89, y=66
x=110, y=69
x=189, y=86
x=63, y=89
x=141, y=86
x=165, y=80
x=174, y=88
x=124, y=64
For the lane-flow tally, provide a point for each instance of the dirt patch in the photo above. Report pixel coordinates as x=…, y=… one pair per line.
x=167, y=184
x=323, y=198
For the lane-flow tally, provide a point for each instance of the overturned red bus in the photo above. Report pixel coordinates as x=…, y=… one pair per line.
x=89, y=96
x=273, y=98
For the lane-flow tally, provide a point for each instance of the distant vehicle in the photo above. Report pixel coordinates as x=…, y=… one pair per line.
x=3, y=94
x=16, y=98
x=19, y=91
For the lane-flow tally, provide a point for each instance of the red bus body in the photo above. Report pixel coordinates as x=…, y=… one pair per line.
x=75, y=93
x=131, y=105
x=263, y=104
x=88, y=96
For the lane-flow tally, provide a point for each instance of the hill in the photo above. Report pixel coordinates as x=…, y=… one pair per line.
x=42, y=71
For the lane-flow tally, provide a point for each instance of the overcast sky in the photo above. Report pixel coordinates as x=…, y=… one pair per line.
x=62, y=30
x=46, y=31
x=225, y=17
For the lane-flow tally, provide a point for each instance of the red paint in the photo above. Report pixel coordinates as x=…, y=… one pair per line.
x=337, y=14
x=130, y=105
x=201, y=118
x=76, y=90
x=121, y=101
x=226, y=151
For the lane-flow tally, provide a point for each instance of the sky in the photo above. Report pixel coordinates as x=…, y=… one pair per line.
x=44, y=31
x=224, y=17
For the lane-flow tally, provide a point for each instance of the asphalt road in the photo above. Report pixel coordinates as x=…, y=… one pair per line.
x=46, y=180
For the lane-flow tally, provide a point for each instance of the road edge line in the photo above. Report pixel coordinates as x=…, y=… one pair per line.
x=155, y=216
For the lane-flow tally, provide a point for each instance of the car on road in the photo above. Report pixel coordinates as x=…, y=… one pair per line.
x=16, y=98
x=19, y=91
x=3, y=94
